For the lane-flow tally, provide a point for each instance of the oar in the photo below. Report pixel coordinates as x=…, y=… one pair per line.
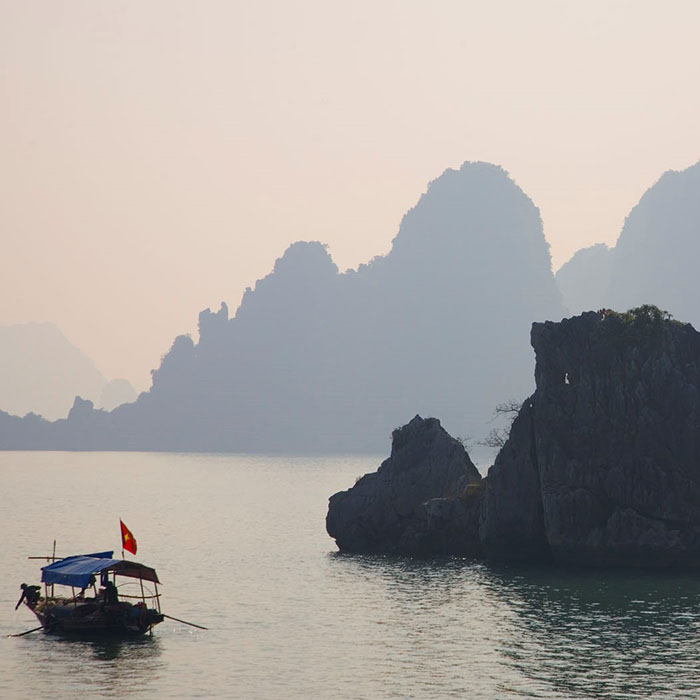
x=184, y=622
x=21, y=634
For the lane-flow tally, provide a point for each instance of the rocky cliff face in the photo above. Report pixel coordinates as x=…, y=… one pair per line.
x=610, y=441
x=415, y=503
x=602, y=466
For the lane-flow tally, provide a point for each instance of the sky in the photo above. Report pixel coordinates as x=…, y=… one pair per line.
x=157, y=156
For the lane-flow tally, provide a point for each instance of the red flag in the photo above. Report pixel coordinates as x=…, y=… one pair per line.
x=128, y=540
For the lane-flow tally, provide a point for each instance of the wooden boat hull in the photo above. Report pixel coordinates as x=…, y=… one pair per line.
x=87, y=619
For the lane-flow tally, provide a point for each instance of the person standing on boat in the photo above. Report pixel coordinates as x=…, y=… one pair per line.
x=29, y=593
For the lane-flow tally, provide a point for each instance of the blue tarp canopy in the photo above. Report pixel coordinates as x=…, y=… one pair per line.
x=76, y=571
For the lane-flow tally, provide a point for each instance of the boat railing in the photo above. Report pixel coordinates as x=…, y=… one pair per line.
x=146, y=592
x=139, y=597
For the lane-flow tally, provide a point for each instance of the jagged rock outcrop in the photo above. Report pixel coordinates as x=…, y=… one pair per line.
x=610, y=441
x=602, y=465
x=511, y=524
x=421, y=500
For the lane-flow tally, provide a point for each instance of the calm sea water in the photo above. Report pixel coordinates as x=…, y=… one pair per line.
x=240, y=545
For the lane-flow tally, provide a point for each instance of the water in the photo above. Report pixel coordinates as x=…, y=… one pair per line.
x=240, y=545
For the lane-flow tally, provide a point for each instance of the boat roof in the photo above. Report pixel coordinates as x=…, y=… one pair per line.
x=77, y=570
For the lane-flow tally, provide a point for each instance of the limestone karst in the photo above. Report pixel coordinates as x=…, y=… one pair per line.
x=654, y=259
x=315, y=360
x=602, y=465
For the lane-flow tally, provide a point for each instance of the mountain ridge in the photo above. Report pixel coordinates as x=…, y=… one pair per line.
x=318, y=360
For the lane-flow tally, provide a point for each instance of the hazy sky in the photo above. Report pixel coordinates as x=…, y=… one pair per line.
x=159, y=155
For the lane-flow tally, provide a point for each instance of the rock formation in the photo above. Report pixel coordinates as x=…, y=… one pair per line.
x=602, y=465
x=414, y=503
x=315, y=360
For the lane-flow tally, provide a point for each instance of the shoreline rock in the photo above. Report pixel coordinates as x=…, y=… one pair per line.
x=413, y=504
x=601, y=468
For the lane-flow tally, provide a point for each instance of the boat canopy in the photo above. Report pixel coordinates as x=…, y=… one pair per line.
x=77, y=570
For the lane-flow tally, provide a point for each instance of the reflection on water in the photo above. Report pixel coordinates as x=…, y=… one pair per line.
x=141, y=651
x=549, y=632
x=105, y=667
x=603, y=633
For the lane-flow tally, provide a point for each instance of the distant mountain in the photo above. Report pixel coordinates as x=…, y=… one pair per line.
x=654, y=260
x=42, y=372
x=319, y=361
x=584, y=280
x=116, y=393
x=656, y=256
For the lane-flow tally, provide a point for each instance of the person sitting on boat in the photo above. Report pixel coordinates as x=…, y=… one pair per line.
x=30, y=594
x=110, y=595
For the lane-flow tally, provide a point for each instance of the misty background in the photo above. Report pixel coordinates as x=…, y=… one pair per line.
x=315, y=360
x=159, y=157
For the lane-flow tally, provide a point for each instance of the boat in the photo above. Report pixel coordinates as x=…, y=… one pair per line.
x=84, y=610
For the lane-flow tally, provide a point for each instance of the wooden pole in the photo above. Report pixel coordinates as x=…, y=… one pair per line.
x=184, y=622
x=21, y=634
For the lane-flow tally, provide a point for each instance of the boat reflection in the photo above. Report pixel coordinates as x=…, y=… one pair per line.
x=141, y=651
x=96, y=668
